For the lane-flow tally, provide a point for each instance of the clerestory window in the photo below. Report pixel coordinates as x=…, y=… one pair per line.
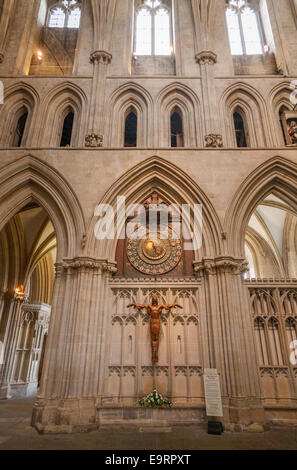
x=65, y=14
x=244, y=28
x=153, y=29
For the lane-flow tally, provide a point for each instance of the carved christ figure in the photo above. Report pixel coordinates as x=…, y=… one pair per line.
x=155, y=310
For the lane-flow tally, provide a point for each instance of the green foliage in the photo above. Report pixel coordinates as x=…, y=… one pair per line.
x=154, y=400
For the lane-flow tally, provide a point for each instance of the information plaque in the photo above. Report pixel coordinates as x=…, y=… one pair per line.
x=213, y=397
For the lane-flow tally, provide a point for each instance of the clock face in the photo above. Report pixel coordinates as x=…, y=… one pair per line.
x=154, y=255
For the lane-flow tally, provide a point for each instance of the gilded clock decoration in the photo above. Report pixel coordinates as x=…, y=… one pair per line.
x=155, y=254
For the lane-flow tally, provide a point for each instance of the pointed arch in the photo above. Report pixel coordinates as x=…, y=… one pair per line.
x=277, y=176
x=279, y=102
x=130, y=95
x=243, y=96
x=55, y=106
x=19, y=98
x=157, y=174
x=180, y=96
x=30, y=179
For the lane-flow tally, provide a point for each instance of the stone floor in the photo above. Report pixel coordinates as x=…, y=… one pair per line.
x=16, y=434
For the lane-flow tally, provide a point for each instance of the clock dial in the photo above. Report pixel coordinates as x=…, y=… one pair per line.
x=154, y=255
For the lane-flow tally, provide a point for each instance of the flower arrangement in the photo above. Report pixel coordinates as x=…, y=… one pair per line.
x=154, y=399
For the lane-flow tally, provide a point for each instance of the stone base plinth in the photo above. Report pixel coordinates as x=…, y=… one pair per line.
x=82, y=415
x=150, y=417
x=23, y=390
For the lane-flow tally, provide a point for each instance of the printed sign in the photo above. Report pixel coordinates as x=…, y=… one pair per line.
x=213, y=397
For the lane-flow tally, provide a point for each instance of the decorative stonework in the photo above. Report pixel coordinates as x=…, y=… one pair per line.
x=221, y=264
x=214, y=141
x=162, y=370
x=100, y=57
x=39, y=312
x=195, y=370
x=274, y=372
x=93, y=140
x=114, y=371
x=147, y=371
x=87, y=264
x=180, y=370
x=129, y=370
x=206, y=58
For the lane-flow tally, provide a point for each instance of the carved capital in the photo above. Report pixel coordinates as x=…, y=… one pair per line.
x=222, y=264
x=100, y=57
x=206, y=58
x=214, y=141
x=83, y=264
x=93, y=140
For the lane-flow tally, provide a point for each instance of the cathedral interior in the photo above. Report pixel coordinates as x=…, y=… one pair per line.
x=165, y=104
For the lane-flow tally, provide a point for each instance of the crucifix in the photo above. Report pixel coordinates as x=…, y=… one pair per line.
x=155, y=310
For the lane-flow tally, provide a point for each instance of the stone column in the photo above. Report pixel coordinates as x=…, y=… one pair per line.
x=231, y=339
x=73, y=360
x=100, y=60
x=213, y=137
x=4, y=23
x=9, y=331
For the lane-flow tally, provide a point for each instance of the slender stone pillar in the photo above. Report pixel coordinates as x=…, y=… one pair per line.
x=73, y=361
x=207, y=60
x=231, y=331
x=4, y=23
x=101, y=60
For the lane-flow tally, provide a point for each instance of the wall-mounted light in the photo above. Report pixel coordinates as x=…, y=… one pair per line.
x=266, y=48
x=39, y=56
x=19, y=294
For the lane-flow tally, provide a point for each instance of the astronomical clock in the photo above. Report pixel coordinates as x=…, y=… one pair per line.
x=156, y=253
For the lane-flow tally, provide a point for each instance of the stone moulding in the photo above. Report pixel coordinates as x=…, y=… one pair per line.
x=222, y=264
x=101, y=57
x=86, y=264
x=206, y=58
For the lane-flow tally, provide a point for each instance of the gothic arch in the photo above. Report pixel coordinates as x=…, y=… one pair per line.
x=53, y=108
x=130, y=95
x=181, y=96
x=17, y=97
x=29, y=179
x=251, y=101
x=277, y=176
x=279, y=98
x=157, y=174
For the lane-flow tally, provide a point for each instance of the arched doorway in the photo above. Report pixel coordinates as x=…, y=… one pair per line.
x=28, y=255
